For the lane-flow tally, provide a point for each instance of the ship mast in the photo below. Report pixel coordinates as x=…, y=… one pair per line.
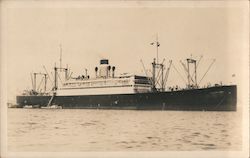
x=192, y=83
x=153, y=78
x=60, y=57
x=60, y=69
x=157, y=45
x=55, y=80
x=35, y=81
x=156, y=65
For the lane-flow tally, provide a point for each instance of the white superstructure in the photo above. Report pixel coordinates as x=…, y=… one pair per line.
x=105, y=83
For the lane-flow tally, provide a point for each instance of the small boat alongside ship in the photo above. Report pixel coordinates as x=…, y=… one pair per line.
x=129, y=91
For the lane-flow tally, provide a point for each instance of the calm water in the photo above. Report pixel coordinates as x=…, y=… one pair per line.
x=122, y=130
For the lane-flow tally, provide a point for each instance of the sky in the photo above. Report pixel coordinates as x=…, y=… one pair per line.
x=31, y=34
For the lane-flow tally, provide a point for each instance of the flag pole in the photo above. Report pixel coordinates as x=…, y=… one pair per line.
x=156, y=43
x=60, y=57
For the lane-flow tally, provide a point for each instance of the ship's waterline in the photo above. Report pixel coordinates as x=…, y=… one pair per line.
x=221, y=98
x=122, y=130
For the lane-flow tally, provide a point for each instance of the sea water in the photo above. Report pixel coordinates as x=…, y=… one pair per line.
x=122, y=130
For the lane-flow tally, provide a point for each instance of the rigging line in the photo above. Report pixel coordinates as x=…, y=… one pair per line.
x=158, y=78
x=146, y=72
x=53, y=84
x=159, y=75
x=48, y=75
x=50, y=87
x=207, y=71
x=68, y=72
x=40, y=83
x=60, y=78
x=179, y=74
x=157, y=82
x=70, y=75
x=167, y=73
x=32, y=82
x=186, y=70
x=197, y=65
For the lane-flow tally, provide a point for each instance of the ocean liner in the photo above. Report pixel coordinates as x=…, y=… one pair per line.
x=129, y=91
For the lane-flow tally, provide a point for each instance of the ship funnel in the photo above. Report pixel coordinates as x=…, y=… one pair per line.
x=104, y=71
x=104, y=62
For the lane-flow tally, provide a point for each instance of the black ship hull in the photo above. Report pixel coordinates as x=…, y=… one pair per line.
x=218, y=98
